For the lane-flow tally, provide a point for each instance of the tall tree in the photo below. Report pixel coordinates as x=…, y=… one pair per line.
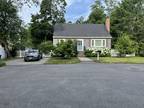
x=109, y=6
x=51, y=12
x=128, y=18
x=97, y=15
x=80, y=20
x=10, y=24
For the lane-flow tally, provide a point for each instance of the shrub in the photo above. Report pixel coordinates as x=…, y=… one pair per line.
x=141, y=49
x=90, y=53
x=46, y=47
x=104, y=52
x=65, y=49
x=2, y=63
x=125, y=45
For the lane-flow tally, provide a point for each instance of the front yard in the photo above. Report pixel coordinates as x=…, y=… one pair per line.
x=57, y=60
x=126, y=60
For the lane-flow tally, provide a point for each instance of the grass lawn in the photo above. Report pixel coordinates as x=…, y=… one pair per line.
x=127, y=60
x=56, y=60
x=2, y=63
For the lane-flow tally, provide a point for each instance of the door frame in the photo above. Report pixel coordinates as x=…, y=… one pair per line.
x=82, y=40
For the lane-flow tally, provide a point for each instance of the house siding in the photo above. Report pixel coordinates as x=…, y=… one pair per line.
x=108, y=43
x=87, y=42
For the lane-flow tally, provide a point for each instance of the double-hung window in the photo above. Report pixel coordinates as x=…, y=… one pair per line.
x=98, y=43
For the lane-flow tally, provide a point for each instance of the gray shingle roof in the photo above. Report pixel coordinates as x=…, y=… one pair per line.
x=81, y=30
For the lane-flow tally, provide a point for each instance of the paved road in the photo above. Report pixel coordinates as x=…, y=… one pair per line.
x=72, y=86
x=18, y=62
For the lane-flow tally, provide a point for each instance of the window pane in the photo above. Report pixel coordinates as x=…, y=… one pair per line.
x=98, y=43
x=92, y=43
x=104, y=43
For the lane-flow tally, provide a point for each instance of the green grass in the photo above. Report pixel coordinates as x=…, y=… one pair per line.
x=126, y=60
x=2, y=63
x=55, y=60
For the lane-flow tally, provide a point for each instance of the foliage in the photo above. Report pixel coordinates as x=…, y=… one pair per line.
x=125, y=45
x=10, y=25
x=51, y=12
x=105, y=52
x=97, y=15
x=56, y=60
x=141, y=49
x=92, y=52
x=65, y=49
x=2, y=63
x=80, y=20
x=46, y=47
x=128, y=18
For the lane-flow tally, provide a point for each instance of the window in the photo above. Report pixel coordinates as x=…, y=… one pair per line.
x=92, y=42
x=98, y=43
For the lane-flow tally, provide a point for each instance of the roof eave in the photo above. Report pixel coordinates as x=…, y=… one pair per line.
x=86, y=37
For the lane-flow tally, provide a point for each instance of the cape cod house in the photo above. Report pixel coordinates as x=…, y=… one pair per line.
x=87, y=35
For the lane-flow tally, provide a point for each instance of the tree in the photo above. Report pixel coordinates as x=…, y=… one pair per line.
x=109, y=6
x=97, y=15
x=125, y=45
x=80, y=20
x=46, y=47
x=128, y=18
x=10, y=25
x=51, y=12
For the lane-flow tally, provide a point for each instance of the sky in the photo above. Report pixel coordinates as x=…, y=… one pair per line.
x=74, y=10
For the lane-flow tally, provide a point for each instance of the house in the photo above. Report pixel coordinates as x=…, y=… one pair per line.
x=86, y=35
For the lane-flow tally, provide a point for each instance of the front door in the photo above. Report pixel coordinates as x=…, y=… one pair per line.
x=80, y=45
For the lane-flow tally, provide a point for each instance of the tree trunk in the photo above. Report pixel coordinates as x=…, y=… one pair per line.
x=5, y=45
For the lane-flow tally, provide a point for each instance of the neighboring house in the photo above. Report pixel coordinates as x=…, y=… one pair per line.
x=86, y=35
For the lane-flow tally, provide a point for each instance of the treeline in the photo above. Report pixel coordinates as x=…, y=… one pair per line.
x=127, y=17
x=15, y=36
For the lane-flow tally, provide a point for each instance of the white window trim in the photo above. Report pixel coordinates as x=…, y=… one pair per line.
x=101, y=42
x=82, y=44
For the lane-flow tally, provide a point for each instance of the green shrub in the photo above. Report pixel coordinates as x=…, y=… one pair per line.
x=2, y=63
x=65, y=49
x=125, y=45
x=46, y=47
x=90, y=53
x=104, y=52
x=141, y=49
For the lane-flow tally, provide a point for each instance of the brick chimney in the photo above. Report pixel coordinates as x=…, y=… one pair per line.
x=107, y=24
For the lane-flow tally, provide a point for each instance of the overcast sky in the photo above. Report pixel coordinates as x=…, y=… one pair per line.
x=74, y=9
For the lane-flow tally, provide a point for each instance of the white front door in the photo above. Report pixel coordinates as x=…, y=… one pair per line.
x=80, y=45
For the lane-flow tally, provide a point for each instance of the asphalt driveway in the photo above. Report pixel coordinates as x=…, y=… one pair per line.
x=19, y=62
x=72, y=86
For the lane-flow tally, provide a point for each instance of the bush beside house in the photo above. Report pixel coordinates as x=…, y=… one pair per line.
x=104, y=52
x=65, y=49
x=46, y=47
